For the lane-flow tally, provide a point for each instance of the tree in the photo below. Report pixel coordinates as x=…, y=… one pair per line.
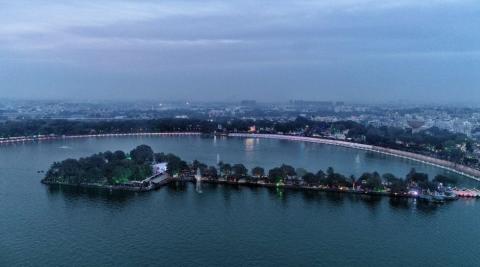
x=330, y=172
x=197, y=165
x=288, y=171
x=395, y=184
x=389, y=177
x=311, y=179
x=239, y=170
x=118, y=155
x=421, y=179
x=469, y=146
x=212, y=172
x=446, y=180
x=142, y=154
x=226, y=169
x=140, y=172
x=371, y=181
x=258, y=172
x=160, y=157
x=300, y=172
x=321, y=175
x=108, y=155
x=375, y=182
x=175, y=164
x=276, y=175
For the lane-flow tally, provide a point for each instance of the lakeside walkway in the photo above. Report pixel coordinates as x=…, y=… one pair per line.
x=447, y=165
x=23, y=139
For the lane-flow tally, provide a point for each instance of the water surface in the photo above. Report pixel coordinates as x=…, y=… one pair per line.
x=52, y=226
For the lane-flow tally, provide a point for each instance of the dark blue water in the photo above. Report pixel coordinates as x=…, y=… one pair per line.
x=53, y=226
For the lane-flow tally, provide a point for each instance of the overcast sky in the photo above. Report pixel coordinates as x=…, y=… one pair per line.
x=363, y=50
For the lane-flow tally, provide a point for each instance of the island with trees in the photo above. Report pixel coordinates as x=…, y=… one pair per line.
x=135, y=171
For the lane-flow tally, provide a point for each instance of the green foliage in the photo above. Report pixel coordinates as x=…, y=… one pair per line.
x=321, y=175
x=70, y=127
x=446, y=180
x=201, y=166
x=372, y=181
x=396, y=185
x=258, y=172
x=310, y=178
x=334, y=179
x=103, y=168
x=421, y=179
x=211, y=172
x=281, y=173
x=225, y=168
x=239, y=170
x=175, y=165
x=288, y=170
x=276, y=175
x=142, y=154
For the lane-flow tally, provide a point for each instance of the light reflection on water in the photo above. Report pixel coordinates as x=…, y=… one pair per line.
x=249, y=144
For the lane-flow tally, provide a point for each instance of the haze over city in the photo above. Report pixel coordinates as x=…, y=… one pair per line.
x=367, y=51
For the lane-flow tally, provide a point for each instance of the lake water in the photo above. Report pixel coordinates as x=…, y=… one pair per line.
x=236, y=226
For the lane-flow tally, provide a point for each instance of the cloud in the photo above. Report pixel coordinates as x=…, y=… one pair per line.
x=317, y=40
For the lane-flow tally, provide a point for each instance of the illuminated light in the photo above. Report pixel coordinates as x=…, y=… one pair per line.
x=413, y=193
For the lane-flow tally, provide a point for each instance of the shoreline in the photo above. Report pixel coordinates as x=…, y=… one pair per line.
x=439, y=163
x=428, y=160
x=52, y=137
x=123, y=188
x=292, y=187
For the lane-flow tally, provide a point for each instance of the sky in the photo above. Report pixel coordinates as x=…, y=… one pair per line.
x=340, y=50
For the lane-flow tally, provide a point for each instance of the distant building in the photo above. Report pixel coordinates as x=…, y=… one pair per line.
x=160, y=168
x=415, y=125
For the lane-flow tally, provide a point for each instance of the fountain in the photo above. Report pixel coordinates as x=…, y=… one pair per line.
x=198, y=180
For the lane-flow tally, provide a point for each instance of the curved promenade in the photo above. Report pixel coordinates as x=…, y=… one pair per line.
x=447, y=165
x=22, y=139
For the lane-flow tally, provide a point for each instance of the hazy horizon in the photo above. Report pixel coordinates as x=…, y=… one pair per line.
x=364, y=51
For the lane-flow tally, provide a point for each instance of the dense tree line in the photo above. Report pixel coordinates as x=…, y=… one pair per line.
x=72, y=127
x=104, y=168
x=286, y=174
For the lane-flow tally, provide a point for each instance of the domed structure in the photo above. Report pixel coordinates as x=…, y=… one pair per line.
x=415, y=124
